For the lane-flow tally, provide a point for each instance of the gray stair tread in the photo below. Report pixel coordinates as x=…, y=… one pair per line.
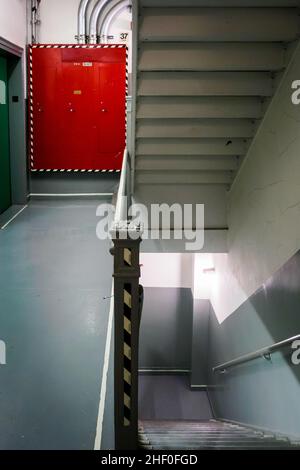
x=205, y=435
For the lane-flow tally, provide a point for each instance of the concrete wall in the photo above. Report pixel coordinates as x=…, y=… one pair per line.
x=13, y=21
x=166, y=329
x=263, y=206
x=166, y=326
x=264, y=202
x=200, y=341
x=174, y=328
x=260, y=393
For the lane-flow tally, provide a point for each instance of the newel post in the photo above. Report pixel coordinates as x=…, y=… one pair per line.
x=126, y=238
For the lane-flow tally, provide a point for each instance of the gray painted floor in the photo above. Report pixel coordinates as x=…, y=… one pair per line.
x=169, y=397
x=54, y=273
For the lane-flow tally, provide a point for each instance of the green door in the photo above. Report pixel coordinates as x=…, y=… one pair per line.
x=5, y=190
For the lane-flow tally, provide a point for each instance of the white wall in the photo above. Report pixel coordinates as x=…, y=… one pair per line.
x=219, y=285
x=207, y=274
x=58, y=21
x=167, y=270
x=195, y=271
x=13, y=23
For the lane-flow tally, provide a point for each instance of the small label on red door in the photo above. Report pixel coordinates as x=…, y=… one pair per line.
x=87, y=64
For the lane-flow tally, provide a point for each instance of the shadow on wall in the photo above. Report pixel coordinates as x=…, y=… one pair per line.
x=166, y=328
x=169, y=397
x=260, y=393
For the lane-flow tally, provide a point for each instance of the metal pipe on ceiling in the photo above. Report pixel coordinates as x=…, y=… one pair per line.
x=98, y=9
x=115, y=11
x=123, y=6
x=102, y=17
x=82, y=12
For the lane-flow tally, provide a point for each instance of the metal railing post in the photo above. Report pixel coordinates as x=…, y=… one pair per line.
x=126, y=238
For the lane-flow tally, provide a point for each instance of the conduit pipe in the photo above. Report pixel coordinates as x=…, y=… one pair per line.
x=82, y=12
x=35, y=20
x=118, y=8
x=102, y=17
x=98, y=9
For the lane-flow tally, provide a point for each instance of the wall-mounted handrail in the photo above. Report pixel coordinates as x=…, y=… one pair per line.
x=264, y=352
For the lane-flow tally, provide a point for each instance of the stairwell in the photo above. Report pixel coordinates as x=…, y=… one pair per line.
x=206, y=71
x=207, y=435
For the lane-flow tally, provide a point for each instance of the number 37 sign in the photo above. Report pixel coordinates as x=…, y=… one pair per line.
x=124, y=37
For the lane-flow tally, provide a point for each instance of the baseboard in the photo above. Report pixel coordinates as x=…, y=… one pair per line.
x=202, y=388
x=154, y=371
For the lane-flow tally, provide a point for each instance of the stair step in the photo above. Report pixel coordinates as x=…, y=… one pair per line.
x=184, y=177
x=227, y=447
x=205, y=84
x=178, y=56
x=180, y=163
x=195, y=128
x=210, y=435
x=204, y=435
x=221, y=24
x=205, y=439
x=147, y=146
x=199, y=108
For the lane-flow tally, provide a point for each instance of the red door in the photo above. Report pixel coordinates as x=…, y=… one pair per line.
x=110, y=138
x=78, y=120
x=77, y=116
x=45, y=123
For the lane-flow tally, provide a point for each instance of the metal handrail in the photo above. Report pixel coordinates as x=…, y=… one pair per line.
x=121, y=206
x=264, y=352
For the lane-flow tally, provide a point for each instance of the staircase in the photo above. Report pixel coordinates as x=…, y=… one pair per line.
x=206, y=71
x=209, y=435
